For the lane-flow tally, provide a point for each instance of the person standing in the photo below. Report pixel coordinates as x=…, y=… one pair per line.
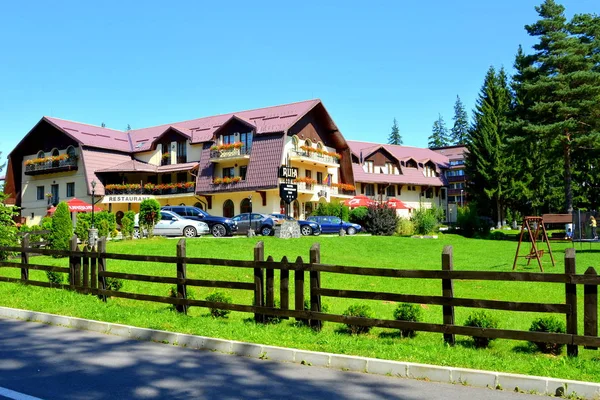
x=593, y=225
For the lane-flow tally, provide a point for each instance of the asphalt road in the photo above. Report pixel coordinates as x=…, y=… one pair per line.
x=50, y=362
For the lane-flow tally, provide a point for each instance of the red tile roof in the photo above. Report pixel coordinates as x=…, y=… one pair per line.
x=410, y=176
x=266, y=120
x=266, y=157
x=94, y=160
x=400, y=152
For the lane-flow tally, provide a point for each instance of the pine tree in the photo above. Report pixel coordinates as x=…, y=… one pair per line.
x=103, y=125
x=439, y=134
x=128, y=127
x=487, y=160
x=460, y=128
x=395, y=137
x=562, y=89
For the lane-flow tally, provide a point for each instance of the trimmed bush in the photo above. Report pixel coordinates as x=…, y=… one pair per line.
x=359, y=215
x=408, y=312
x=62, y=228
x=551, y=325
x=127, y=224
x=358, y=310
x=82, y=228
x=219, y=297
x=149, y=215
x=381, y=220
x=333, y=209
x=481, y=319
x=405, y=227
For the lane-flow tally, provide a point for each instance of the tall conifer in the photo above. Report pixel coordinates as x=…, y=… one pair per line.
x=460, y=129
x=439, y=134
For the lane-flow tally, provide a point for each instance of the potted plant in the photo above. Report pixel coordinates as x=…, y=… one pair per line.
x=217, y=181
x=189, y=186
x=236, y=179
x=227, y=180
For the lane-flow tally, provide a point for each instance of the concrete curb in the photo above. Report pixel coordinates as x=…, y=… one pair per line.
x=433, y=373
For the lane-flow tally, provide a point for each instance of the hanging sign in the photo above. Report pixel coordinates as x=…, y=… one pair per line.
x=288, y=192
x=288, y=172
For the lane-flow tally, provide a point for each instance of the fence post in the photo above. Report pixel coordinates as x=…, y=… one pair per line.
x=74, y=265
x=299, y=289
x=315, y=285
x=284, y=288
x=259, y=255
x=25, y=258
x=590, y=308
x=571, y=300
x=85, y=262
x=181, y=274
x=94, y=270
x=101, y=249
x=448, y=291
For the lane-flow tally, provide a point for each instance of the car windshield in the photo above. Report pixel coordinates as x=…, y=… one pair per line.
x=196, y=212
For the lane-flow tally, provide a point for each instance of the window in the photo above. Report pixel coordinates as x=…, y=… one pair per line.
x=166, y=217
x=295, y=142
x=71, y=153
x=320, y=178
x=71, y=189
x=41, y=154
x=308, y=173
x=228, y=172
x=243, y=170
x=228, y=209
x=429, y=193
x=182, y=177
x=411, y=163
x=246, y=139
x=245, y=206
x=165, y=154
x=55, y=153
x=308, y=143
x=389, y=168
x=181, y=152
x=370, y=189
x=54, y=191
x=369, y=166
x=319, y=146
x=443, y=194
x=40, y=193
x=199, y=205
x=228, y=139
x=457, y=162
x=166, y=178
x=390, y=191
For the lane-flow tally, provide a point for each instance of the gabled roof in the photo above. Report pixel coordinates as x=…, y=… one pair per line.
x=130, y=166
x=93, y=136
x=410, y=176
x=234, y=117
x=399, y=152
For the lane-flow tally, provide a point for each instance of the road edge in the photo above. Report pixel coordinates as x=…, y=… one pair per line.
x=433, y=373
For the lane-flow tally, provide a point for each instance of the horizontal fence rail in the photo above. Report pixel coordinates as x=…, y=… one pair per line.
x=87, y=273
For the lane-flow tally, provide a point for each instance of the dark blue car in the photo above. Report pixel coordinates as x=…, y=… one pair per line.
x=334, y=224
x=307, y=228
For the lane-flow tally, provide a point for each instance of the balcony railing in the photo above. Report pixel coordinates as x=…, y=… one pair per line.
x=216, y=155
x=149, y=189
x=314, y=156
x=49, y=166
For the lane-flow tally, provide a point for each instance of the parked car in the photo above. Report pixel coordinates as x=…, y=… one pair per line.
x=334, y=224
x=171, y=224
x=307, y=228
x=261, y=223
x=219, y=226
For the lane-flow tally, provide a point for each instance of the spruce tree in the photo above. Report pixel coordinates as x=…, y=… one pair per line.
x=460, y=129
x=62, y=228
x=487, y=161
x=395, y=137
x=439, y=134
x=562, y=89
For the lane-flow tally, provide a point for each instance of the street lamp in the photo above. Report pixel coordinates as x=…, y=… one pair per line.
x=461, y=198
x=93, y=194
x=250, y=230
x=93, y=232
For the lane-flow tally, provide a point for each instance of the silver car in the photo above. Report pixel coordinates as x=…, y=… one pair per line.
x=171, y=224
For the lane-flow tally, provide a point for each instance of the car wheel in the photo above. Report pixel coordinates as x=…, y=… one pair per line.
x=218, y=230
x=136, y=233
x=189, y=232
x=306, y=230
x=351, y=231
x=266, y=230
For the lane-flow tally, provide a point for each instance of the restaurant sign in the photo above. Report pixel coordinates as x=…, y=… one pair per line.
x=125, y=198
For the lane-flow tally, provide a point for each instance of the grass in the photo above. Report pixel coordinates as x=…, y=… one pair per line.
x=383, y=252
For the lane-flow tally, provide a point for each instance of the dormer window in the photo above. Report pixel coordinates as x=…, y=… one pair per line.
x=246, y=139
x=411, y=163
x=369, y=166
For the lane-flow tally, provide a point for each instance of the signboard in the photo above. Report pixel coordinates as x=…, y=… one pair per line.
x=288, y=172
x=322, y=193
x=125, y=198
x=288, y=192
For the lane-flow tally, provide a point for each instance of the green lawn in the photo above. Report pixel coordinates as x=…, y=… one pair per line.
x=383, y=252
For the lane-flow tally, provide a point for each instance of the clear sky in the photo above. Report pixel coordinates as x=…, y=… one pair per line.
x=154, y=62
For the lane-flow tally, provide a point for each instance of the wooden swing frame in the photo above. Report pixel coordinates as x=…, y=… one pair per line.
x=533, y=234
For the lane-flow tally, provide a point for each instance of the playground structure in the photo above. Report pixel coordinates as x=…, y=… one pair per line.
x=534, y=226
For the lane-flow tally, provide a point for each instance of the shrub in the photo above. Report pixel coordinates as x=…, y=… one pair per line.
x=359, y=215
x=381, y=220
x=114, y=284
x=405, y=227
x=149, y=215
x=173, y=294
x=62, y=228
x=54, y=277
x=481, y=319
x=552, y=325
x=408, y=312
x=219, y=297
x=358, y=310
x=425, y=220
x=471, y=224
x=127, y=224
x=324, y=306
x=103, y=229
x=82, y=228
x=47, y=223
x=497, y=235
x=333, y=209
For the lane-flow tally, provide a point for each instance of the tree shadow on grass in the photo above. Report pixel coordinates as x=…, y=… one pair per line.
x=525, y=348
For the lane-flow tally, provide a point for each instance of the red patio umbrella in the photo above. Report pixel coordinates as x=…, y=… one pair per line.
x=397, y=204
x=77, y=205
x=359, y=201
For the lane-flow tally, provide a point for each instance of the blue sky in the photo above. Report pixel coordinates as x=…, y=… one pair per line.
x=149, y=63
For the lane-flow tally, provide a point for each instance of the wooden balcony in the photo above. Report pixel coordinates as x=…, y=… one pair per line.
x=51, y=167
x=314, y=158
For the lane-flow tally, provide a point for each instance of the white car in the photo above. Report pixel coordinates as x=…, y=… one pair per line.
x=171, y=224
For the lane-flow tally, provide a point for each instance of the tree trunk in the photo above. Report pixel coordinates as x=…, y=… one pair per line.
x=499, y=213
x=568, y=188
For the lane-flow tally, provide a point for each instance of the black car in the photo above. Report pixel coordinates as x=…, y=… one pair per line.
x=261, y=223
x=219, y=226
x=307, y=228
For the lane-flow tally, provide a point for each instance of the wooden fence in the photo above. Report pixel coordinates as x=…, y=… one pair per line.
x=88, y=272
